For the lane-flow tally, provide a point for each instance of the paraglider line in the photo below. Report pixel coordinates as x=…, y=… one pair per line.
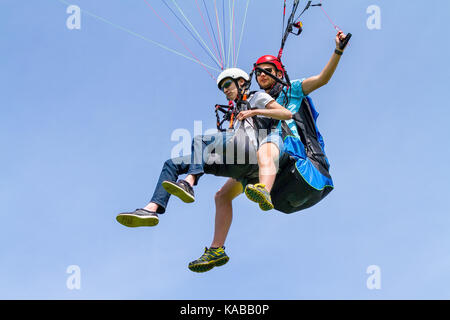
x=284, y=18
x=214, y=34
x=230, y=44
x=181, y=41
x=329, y=19
x=234, y=35
x=192, y=35
x=242, y=32
x=209, y=34
x=219, y=33
x=137, y=35
x=224, y=33
x=196, y=32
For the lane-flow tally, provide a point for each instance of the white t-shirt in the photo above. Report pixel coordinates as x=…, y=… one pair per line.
x=258, y=100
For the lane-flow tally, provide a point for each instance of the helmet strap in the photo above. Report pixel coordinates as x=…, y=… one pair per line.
x=271, y=76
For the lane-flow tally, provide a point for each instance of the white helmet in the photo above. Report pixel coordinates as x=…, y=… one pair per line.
x=233, y=73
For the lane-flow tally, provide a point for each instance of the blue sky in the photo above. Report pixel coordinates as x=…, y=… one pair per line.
x=85, y=123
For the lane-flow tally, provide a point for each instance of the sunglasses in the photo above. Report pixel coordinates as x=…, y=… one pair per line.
x=226, y=84
x=259, y=72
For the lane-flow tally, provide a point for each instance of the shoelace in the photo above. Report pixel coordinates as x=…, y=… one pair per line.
x=185, y=184
x=261, y=186
x=209, y=253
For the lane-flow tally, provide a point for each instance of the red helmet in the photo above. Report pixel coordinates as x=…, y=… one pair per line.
x=272, y=60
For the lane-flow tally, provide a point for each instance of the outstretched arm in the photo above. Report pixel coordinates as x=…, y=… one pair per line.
x=315, y=82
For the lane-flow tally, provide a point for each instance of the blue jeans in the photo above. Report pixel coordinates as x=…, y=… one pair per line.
x=192, y=164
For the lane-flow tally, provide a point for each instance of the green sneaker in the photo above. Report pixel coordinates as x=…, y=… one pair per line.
x=258, y=193
x=138, y=218
x=213, y=257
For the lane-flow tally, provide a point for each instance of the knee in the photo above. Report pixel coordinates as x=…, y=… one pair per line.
x=263, y=158
x=168, y=163
x=268, y=153
x=222, y=196
x=172, y=165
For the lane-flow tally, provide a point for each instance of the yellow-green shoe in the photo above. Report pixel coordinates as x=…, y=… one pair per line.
x=258, y=193
x=138, y=218
x=213, y=257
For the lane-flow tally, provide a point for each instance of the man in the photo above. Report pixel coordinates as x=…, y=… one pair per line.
x=215, y=255
x=232, y=82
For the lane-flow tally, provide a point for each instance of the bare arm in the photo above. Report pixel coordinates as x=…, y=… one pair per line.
x=273, y=110
x=315, y=82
